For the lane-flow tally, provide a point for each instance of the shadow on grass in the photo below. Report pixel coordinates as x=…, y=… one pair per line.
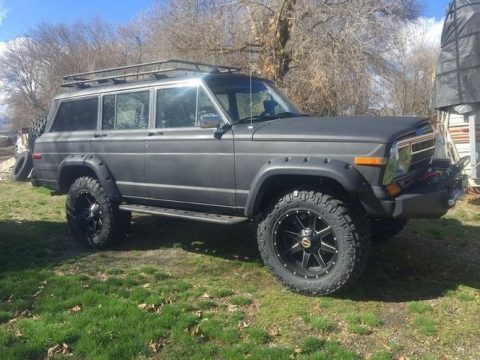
x=26, y=245
x=427, y=260
x=228, y=242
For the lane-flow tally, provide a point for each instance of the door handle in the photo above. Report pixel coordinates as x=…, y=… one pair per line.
x=99, y=135
x=153, y=133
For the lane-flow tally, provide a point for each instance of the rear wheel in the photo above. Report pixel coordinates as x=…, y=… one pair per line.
x=93, y=219
x=313, y=242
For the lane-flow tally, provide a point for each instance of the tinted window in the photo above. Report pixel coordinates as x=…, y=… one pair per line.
x=108, y=112
x=76, y=115
x=176, y=107
x=126, y=111
x=182, y=107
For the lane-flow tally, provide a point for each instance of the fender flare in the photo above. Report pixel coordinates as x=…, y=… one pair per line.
x=340, y=171
x=95, y=164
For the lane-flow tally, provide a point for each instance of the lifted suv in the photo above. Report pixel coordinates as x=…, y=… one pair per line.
x=204, y=142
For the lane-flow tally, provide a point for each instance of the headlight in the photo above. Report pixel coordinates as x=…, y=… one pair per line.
x=398, y=162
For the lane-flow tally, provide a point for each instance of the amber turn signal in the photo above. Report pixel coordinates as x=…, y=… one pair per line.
x=393, y=189
x=370, y=161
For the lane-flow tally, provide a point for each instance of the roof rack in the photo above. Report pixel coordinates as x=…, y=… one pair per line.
x=156, y=69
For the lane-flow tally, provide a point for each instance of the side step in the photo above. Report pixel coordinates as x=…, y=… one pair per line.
x=183, y=214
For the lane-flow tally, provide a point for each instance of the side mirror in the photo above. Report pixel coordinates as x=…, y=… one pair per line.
x=210, y=121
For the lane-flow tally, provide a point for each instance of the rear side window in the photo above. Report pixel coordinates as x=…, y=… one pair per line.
x=76, y=115
x=126, y=111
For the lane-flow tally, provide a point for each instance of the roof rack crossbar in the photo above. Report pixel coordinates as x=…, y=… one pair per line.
x=114, y=78
x=105, y=75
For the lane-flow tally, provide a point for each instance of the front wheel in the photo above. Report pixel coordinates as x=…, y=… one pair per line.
x=93, y=220
x=313, y=243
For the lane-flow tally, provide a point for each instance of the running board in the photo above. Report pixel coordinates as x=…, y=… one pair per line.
x=183, y=214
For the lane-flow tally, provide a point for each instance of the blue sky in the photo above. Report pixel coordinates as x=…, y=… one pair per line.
x=19, y=15
x=22, y=14
x=435, y=8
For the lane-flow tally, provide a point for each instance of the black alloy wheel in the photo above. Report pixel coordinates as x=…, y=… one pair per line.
x=88, y=215
x=93, y=219
x=315, y=243
x=306, y=244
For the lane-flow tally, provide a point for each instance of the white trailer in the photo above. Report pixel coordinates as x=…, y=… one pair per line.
x=459, y=137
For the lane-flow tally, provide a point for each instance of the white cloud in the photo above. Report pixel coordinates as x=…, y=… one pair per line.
x=433, y=30
x=426, y=31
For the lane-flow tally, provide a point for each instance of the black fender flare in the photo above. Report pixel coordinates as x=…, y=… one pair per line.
x=340, y=171
x=95, y=164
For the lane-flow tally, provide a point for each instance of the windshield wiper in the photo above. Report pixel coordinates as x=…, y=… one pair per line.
x=282, y=115
x=288, y=114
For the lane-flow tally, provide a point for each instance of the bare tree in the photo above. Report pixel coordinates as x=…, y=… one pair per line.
x=32, y=67
x=330, y=56
x=406, y=88
x=325, y=53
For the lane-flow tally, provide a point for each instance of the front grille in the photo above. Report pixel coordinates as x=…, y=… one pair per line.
x=422, y=145
x=423, y=149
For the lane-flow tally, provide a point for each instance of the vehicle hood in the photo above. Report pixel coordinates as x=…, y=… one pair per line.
x=381, y=130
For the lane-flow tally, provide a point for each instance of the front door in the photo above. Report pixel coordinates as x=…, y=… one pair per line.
x=184, y=162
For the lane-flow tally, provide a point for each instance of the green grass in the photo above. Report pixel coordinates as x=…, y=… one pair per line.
x=419, y=307
x=240, y=300
x=426, y=325
x=184, y=290
x=362, y=323
x=320, y=323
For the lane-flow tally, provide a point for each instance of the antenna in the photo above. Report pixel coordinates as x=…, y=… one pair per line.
x=250, y=77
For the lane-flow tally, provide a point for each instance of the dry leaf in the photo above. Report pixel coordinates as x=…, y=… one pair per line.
x=149, y=307
x=232, y=307
x=155, y=346
x=170, y=300
x=75, y=309
x=58, y=349
x=273, y=331
x=244, y=325
x=196, y=331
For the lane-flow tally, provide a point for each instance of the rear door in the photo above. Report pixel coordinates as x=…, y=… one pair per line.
x=71, y=131
x=184, y=162
x=120, y=140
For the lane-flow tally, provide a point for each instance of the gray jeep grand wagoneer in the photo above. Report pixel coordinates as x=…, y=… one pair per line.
x=204, y=142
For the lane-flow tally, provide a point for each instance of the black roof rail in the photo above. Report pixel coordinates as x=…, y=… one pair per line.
x=156, y=69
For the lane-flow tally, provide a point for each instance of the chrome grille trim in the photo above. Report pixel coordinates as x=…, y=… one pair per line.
x=423, y=149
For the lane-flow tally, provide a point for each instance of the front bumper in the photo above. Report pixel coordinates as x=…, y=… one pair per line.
x=429, y=198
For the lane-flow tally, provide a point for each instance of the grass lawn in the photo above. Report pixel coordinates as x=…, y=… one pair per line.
x=178, y=289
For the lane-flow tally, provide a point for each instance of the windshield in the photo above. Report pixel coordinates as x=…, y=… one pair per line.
x=267, y=101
